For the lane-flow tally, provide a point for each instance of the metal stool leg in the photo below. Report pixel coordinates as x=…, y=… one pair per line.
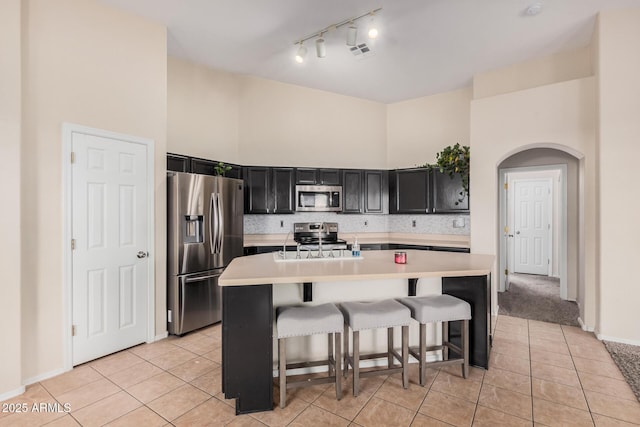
x=465, y=348
x=356, y=363
x=282, y=362
x=345, y=336
x=331, y=371
x=389, y=347
x=338, y=369
x=445, y=340
x=423, y=353
x=405, y=356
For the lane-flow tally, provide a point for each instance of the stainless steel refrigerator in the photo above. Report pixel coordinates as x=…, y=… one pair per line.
x=204, y=233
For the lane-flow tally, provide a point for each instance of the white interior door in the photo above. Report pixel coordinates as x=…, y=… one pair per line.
x=531, y=226
x=109, y=261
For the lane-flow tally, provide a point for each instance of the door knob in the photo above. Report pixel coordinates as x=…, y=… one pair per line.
x=141, y=254
x=517, y=232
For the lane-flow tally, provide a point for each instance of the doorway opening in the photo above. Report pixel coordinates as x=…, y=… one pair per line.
x=538, y=235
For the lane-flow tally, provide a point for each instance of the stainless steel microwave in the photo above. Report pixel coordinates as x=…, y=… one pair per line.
x=318, y=198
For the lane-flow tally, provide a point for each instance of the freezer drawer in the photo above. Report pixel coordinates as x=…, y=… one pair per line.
x=194, y=301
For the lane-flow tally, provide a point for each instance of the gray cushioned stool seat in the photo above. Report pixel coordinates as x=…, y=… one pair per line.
x=444, y=309
x=309, y=320
x=374, y=315
x=295, y=321
x=437, y=308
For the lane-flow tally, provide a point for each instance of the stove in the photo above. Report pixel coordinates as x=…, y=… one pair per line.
x=320, y=237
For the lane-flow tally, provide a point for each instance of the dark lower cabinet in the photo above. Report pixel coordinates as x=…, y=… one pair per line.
x=247, y=343
x=447, y=194
x=476, y=290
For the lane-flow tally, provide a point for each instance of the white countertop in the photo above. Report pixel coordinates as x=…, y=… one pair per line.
x=375, y=265
x=447, y=240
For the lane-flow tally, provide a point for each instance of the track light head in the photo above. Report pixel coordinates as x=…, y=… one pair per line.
x=321, y=48
x=301, y=53
x=352, y=35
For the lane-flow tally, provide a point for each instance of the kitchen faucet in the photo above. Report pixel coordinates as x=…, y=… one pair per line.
x=322, y=227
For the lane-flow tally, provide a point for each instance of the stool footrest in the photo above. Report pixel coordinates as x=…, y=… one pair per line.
x=445, y=363
x=310, y=364
x=454, y=348
x=310, y=381
x=385, y=371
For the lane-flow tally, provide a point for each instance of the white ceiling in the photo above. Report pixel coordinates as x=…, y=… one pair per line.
x=425, y=46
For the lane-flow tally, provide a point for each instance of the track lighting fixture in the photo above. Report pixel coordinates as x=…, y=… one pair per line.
x=301, y=53
x=321, y=48
x=351, y=36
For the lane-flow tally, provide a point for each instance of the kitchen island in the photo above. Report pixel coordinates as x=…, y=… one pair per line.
x=248, y=309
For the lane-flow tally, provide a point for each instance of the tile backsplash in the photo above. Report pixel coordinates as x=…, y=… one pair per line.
x=426, y=224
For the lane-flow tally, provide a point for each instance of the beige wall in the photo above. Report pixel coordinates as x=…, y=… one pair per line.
x=419, y=128
x=288, y=125
x=88, y=64
x=536, y=72
x=202, y=111
x=560, y=115
x=618, y=151
x=10, y=123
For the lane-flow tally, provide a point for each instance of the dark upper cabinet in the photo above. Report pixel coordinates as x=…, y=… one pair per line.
x=409, y=191
x=314, y=176
x=257, y=189
x=447, y=194
x=375, y=195
x=178, y=163
x=352, y=191
x=282, y=190
x=364, y=191
x=202, y=166
x=269, y=190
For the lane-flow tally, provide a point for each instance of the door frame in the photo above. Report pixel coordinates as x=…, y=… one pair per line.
x=68, y=129
x=562, y=228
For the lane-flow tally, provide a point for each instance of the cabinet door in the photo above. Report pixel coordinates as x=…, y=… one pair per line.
x=283, y=185
x=351, y=191
x=375, y=192
x=177, y=163
x=256, y=190
x=410, y=191
x=329, y=177
x=205, y=167
x=306, y=176
x=446, y=193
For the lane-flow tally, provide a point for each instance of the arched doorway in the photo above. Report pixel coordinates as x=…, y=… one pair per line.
x=548, y=256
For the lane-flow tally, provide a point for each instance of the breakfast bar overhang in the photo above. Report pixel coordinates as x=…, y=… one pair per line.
x=247, y=307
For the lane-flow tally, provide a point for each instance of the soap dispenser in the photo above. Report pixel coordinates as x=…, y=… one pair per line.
x=355, y=248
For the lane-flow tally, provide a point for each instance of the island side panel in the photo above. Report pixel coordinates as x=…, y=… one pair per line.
x=247, y=336
x=476, y=291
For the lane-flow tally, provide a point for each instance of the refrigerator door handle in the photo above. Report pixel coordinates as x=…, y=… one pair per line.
x=220, y=223
x=213, y=221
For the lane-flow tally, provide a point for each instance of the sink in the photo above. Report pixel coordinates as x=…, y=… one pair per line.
x=290, y=256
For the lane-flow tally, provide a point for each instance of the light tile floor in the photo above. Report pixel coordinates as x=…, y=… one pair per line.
x=540, y=374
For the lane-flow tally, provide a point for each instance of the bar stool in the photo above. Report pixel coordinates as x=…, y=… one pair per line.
x=374, y=315
x=445, y=309
x=303, y=321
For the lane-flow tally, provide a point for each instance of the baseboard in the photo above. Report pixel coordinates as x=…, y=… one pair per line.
x=583, y=326
x=12, y=393
x=616, y=339
x=45, y=376
x=162, y=336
